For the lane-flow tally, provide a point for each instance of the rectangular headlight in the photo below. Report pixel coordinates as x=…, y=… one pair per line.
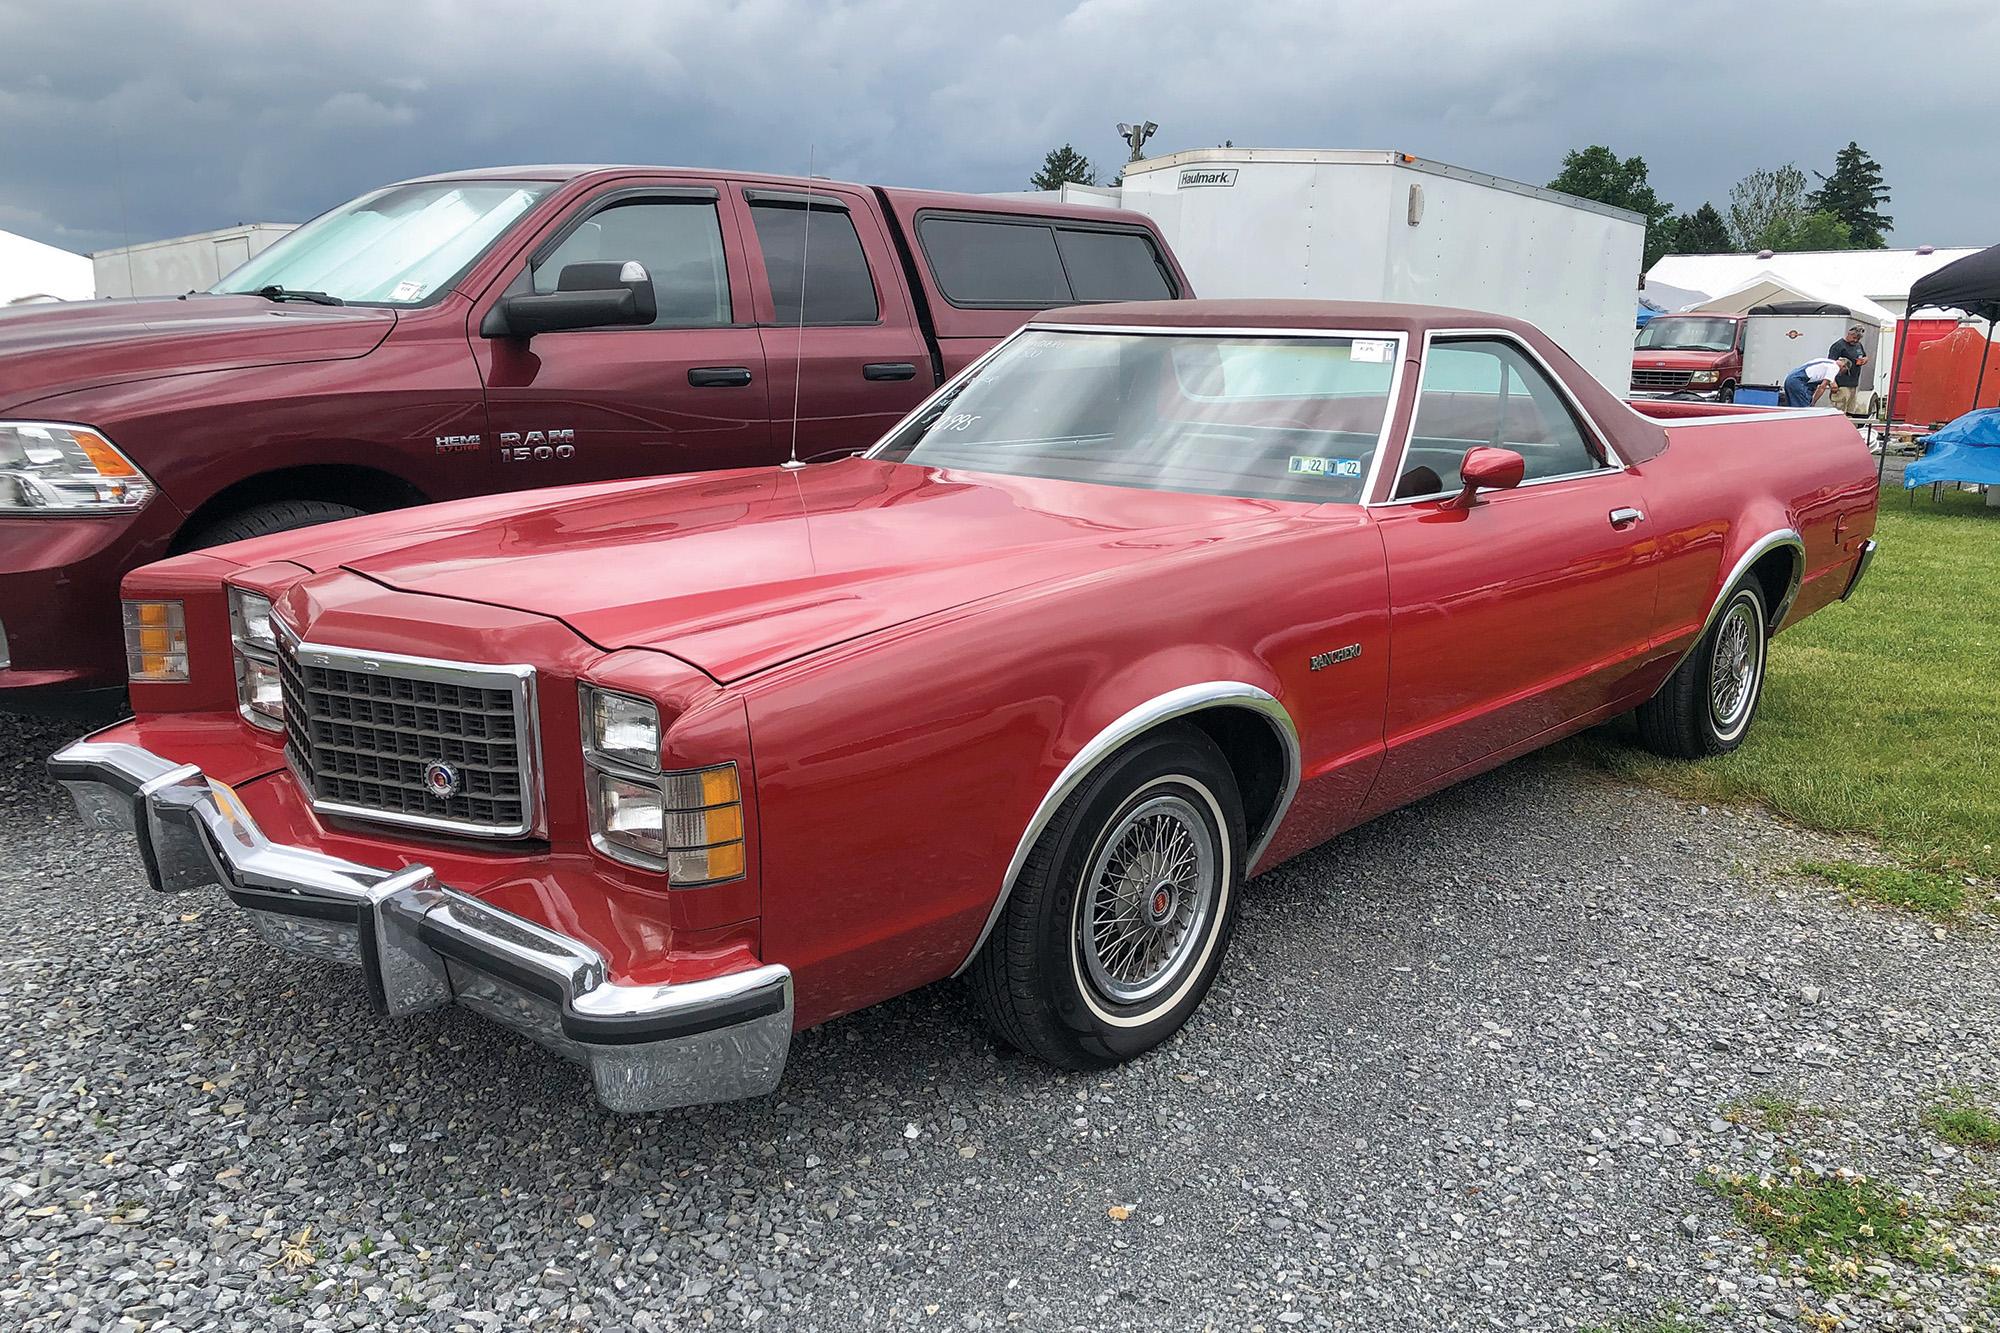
x=250, y=619
x=621, y=728
x=156, y=647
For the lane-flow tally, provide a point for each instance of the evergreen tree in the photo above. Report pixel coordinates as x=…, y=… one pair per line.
x=1063, y=165
x=1598, y=173
x=1854, y=193
x=1701, y=232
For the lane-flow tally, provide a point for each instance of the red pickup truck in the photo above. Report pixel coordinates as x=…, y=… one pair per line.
x=1150, y=599
x=499, y=330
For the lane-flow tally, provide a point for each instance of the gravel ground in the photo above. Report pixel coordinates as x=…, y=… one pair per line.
x=1464, y=1069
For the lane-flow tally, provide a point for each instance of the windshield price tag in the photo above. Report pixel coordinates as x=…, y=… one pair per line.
x=407, y=290
x=1372, y=349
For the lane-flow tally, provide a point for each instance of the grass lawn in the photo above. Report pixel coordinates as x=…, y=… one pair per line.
x=1881, y=716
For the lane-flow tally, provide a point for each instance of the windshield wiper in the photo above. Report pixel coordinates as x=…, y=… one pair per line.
x=276, y=293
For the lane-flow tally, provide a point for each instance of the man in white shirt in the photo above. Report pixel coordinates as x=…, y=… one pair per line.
x=1813, y=381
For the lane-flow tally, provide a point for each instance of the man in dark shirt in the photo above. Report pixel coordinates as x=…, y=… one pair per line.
x=1847, y=388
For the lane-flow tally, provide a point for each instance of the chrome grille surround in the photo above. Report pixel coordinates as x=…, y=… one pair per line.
x=361, y=728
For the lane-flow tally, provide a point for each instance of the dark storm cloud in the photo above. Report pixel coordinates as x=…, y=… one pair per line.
x=141, y=120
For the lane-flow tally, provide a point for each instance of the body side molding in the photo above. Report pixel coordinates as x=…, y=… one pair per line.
x=1186, y=700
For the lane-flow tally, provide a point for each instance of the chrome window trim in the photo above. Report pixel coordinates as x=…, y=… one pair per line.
x=1617, y=463
x=518, y=680
x=1400, y=362
x=1763, y=546
x=1131, y=724
x=1733, y=418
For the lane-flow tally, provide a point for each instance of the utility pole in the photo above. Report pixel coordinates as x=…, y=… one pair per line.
x=1136, y=136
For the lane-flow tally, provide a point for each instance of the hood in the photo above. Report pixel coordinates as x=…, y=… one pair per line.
x=1654, y=358
x=52, y=349
x=739, y=571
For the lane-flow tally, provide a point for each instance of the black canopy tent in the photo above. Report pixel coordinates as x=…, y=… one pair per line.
x=1971, y=284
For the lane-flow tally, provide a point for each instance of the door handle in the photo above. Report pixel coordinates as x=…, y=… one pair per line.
x=889, y=370
x=1625, y=518
x=719, y=377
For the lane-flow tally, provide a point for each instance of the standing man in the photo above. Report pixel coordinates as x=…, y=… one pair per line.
x=1847, y=388
x=1813, y=381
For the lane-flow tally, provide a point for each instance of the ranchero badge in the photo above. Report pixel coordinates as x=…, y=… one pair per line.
x=1321, y=661
x=441, y=779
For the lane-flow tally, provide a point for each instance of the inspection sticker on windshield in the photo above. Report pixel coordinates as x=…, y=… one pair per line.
x=1372, y=349
x=407, y=290
x=1307, y=465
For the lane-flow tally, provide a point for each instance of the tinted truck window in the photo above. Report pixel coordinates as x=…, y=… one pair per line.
x=828, y=260
x=679, y=242
x=1112, y=266
x=994, y=263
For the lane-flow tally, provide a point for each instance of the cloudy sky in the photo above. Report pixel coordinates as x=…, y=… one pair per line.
x=136, y=120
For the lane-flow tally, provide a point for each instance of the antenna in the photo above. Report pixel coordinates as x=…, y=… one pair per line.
x=799, y=348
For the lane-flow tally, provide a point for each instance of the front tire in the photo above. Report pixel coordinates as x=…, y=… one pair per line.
x=1123, y=910
x=264, y=519
x=1707, y=705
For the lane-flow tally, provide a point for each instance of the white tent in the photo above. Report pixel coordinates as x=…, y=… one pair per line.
x=1667, y=298
x=1765, y=288
x=31, y=272
x=1881, y=276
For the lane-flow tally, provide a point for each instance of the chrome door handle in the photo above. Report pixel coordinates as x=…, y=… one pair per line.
x=1625, y=518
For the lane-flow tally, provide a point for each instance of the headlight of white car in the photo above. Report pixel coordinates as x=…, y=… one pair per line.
x=53, y=467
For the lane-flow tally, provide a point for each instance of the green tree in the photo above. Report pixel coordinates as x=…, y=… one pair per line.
x=1817, y=230
x=1062, y=166
x=1701, y=232
x=1854, y=193
x=1598, y=173
x=1765, y=205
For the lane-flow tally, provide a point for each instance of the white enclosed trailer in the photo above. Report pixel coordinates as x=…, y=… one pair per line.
x=1384, y=226
x=182, y=263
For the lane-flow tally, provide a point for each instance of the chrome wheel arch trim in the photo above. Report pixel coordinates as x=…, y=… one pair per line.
x=1760, y=548
x=1182, y=702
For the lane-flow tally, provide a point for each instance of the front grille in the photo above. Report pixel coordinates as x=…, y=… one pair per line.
x=1660, y=379
x=362, y=730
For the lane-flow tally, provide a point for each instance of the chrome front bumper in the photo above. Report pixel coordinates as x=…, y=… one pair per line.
x=420, y=944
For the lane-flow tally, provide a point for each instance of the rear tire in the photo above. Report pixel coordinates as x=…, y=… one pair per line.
x=1123, y=910
x=1707, y=705
x=264, y=519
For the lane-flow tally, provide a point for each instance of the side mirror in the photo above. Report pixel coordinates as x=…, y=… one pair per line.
x=1487, y=469
x=587, y=296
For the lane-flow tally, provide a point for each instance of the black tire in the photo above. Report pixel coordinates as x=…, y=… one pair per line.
x=1036, y=981
x=264, y=519
x=1687, y=719
x=1727, y=395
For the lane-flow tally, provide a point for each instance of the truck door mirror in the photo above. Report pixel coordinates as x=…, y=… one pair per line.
x=587, y=296
x=1487, y=468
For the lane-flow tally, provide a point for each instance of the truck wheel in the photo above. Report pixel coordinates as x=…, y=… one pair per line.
x=264, y=519
x=1706, y=706
x=1123, y=909
x=1727, y=394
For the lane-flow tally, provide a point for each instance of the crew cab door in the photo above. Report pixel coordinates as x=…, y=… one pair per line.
x=838, y=328
x=1530, y=609
x=685, y=393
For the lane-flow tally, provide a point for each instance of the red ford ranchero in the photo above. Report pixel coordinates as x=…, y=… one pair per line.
x=1147, y=600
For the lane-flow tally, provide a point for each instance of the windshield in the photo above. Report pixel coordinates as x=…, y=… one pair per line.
x=1678, y=333
x=399, y=246
x=1279, y=418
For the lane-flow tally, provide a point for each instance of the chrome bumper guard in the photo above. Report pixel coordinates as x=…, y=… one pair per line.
x=421, y=945
x=1860, y=568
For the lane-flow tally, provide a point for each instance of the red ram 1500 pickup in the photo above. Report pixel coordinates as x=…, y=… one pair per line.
x=1148, y=600
x=497, y=331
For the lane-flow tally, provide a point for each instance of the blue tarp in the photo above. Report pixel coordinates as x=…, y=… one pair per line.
x=1967, y=449
x=1647, y=315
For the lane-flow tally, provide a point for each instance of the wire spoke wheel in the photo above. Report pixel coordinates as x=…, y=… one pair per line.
x=1147, y=899
x=1734, y=667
